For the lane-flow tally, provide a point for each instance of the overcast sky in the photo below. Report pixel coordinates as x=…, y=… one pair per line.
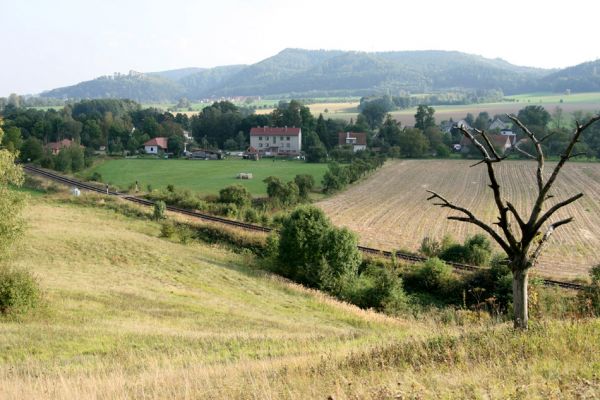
x=53, y=43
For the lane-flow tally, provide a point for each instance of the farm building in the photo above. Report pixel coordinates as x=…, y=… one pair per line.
x=276, y=140
x=500, y=142
x=156, y=145
x=56, y=147
x=358, y=140
x=204, y=154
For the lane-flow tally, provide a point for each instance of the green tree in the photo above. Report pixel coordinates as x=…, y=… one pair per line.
x=12, y=140
x=11, y=202
x=305, y=184
x=32, y=150
x=413, y=143
x=313, y=252
x=424, y=118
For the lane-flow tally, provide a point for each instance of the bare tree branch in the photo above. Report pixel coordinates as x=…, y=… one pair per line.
x=537, y=208
x=514, y=212
x=538, y=149
x=554, y=209
x=520, y=150
x=470, y=218
x=535, y=255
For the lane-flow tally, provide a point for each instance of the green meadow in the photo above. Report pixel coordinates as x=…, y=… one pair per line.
x=204, y=177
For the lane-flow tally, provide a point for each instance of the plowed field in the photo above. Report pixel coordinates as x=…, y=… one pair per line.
x=389, y=210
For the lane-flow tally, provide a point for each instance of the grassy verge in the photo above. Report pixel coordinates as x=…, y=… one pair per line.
x=131, y=315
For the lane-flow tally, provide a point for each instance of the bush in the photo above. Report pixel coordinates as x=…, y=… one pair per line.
x=19, y=292
x=251, y=215
x=159, y=210
x=185, y=233
x=589, y=299
x=235, y=194
x=476, y=250
x=313, y=252
x=96, y=177
x=167, y=229
x=378, y=287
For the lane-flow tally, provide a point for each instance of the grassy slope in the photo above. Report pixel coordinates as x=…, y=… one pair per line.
x=206, y=177
x=131, y=315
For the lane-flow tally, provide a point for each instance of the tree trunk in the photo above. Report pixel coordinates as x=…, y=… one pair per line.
x=520, y=278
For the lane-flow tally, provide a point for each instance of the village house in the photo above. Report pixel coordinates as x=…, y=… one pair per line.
x=500, y=142
x=358, y=140
x=276, y=140
x=498, y=124
x=156, y=145
x=56, y=147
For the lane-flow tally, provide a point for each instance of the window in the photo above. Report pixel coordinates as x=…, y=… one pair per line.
x=287, y=138
x=260, y=145
x=287, y=145
x=260, y=138
x=274, y=139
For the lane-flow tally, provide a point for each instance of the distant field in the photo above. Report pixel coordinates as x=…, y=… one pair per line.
x=390, y=211
x=205, y=177
x=587, y=102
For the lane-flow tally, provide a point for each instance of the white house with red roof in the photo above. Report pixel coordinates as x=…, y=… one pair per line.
x=156, y=145
x=276, y=140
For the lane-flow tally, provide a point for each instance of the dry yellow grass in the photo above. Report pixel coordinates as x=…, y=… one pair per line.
x=130, y=315
x=389, y=210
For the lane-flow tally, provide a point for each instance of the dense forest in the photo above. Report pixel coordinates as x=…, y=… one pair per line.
x=294, y=73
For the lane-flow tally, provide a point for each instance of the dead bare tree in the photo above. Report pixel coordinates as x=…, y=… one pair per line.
x=522, y=244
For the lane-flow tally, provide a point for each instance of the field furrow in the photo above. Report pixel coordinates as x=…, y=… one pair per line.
x=390, y=211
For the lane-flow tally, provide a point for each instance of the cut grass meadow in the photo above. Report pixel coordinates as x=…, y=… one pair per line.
x=130, y=315
x=204, y=177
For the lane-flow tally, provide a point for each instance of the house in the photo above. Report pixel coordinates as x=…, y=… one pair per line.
x=276, y=140
x=498, y=124
x=156, y=145
x=56, y=147
x=205, y=154
x=358, y=140
x=500, y=142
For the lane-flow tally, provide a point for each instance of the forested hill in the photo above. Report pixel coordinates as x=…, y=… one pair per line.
x=312, y=73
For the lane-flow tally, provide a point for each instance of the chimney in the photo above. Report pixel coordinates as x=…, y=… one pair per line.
x=347, y=135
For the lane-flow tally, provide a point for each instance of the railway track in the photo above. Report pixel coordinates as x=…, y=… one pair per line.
x=257, y=228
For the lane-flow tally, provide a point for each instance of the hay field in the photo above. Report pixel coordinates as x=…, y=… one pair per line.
x=389, y=210
x=129, y=315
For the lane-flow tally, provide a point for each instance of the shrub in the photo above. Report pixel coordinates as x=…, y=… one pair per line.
x=19, y=292
x=313, y=252
x=589, y=299
x=185, y=233
x=167, y=229
x=251, y=215
x=378, y=286
x=430, y=247
x=96, y=177
x=235, y=194
x=159, y=210
x=476, y=250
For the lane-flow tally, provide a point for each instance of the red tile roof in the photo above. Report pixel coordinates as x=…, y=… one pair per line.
x=158, y=142
x=274, y=131
x=361, y=138
x=59, y=145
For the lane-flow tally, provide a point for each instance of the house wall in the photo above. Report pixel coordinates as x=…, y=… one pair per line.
x=151, y=149
x=293, y=145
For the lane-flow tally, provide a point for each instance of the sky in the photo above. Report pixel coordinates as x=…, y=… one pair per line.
x=45, y=44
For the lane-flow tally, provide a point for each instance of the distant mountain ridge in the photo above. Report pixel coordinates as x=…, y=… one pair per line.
x=306, y=73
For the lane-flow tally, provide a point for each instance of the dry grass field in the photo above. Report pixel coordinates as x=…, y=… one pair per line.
x=130, y=315
x=389, y=210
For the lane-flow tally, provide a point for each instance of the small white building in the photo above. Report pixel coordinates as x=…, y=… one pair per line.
x=358, y=140
x=276, y=140
x=156, y=145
